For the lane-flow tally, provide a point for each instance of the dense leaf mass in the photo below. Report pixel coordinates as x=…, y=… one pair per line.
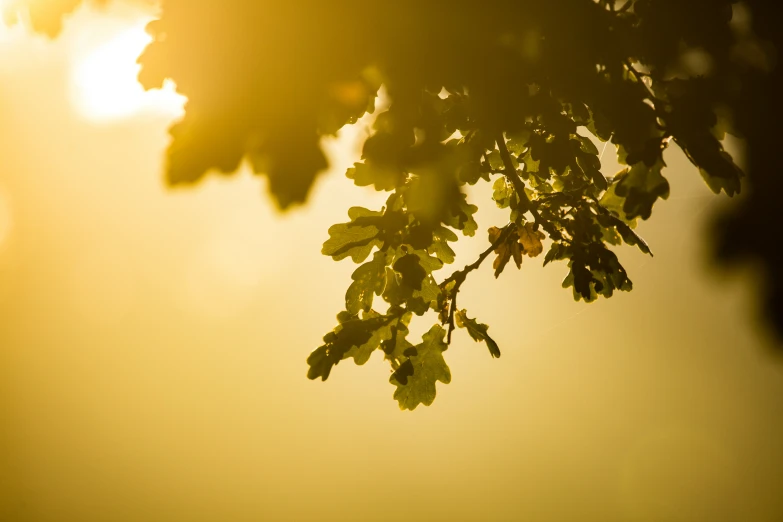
x=497, y=91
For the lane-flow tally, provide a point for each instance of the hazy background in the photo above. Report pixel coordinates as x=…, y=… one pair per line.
x=153, y=344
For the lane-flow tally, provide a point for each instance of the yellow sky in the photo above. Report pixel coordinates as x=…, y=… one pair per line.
x=153, y=344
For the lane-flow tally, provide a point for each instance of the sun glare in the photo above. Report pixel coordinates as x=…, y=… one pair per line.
x=106, y=86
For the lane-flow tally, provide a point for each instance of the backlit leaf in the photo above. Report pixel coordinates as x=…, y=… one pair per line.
x=368, y=279
x=478, y=331
x=416, y=377
x=356, y=238
x=530, y=239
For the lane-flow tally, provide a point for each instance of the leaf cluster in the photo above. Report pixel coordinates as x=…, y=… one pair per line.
x=502, y=92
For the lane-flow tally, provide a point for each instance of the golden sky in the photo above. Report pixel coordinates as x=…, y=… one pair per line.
x=153, y=343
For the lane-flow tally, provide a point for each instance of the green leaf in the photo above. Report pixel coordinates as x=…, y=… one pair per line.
x=470, y=173
x=632, y=238
x=396, y=347
x=368, y=279
x=614, y=204
x=440, y=246
x=495, y=161
x=416, y=377
x=419, y=235
x=410, y=283
x=579, y=113
x=425, y=298
x=429, y=263
x=518, y=140
x=641, y=186
x=587, y=145
x=531, y=166
x=591, y=166
x=361, y=352
x=629, y=236
x=356, y=238
x=502, y=193
x=365, y=174
x=411, y=270
x=461, y=216
x=611, y=236
x=595, y=270
x=722, y=174
x=556, y=252
x=478, y=331
x=362, y=336
x=599, y=126
x=467, y=156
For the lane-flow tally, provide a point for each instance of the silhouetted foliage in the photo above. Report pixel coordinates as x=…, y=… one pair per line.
x=488, y=91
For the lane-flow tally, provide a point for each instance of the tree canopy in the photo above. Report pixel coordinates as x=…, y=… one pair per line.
x=480, y=92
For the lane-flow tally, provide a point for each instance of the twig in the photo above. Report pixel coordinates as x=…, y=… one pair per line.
x=452, y=309
x=624, y=8
x=639, y=78
x=459, y=276
x=655, y=101
x=511, y=173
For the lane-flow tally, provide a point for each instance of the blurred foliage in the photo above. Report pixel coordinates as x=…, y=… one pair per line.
x=479, y=91
x=46, y=16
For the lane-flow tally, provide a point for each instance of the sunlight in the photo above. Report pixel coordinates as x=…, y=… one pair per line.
x=5, y=29
x=106, y=85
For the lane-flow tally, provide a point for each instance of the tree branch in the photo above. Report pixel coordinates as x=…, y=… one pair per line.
x=655, y=101
x=640, y=78
x=511, y=173
x=459, y=276
x=624, y=8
